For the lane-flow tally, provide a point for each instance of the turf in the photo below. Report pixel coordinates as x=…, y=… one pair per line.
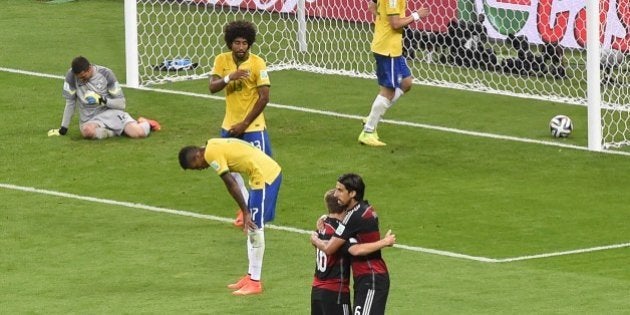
x=436, y=189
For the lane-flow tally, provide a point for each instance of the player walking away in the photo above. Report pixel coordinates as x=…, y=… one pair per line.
x=360, y=226
x=244, y=77
x=101, y=103
x=330, y=294
x=265, y=176
x=394, y=76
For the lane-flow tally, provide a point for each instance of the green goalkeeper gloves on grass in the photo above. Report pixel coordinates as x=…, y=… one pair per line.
x=57, y=132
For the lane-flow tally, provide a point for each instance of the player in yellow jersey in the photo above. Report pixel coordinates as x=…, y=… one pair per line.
x=394, y=76
x=244, y=77
x=265, y=176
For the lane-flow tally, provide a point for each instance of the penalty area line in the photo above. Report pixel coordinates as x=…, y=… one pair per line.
x=356, y=117
x=134, y=205
x=564, y=253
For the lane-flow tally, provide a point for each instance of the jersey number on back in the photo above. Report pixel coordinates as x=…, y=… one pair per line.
x=321, y=260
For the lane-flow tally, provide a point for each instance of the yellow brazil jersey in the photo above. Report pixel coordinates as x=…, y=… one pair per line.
x=241, y=95
x=388, y=41
x=235, y=155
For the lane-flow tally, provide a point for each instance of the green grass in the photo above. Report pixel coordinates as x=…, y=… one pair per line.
x=439, y=190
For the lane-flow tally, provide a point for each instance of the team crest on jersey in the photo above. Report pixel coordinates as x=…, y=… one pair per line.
x=392, y=3
x=215, y=165
x=263, y=74
x=340, y=229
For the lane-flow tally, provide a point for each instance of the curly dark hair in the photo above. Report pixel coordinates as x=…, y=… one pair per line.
x=244, y=29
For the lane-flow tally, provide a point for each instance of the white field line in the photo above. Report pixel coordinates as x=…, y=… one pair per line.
x=335, y=114
x=134, y=205
x=564, y=253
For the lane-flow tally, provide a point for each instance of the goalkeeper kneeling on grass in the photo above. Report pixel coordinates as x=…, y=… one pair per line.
x=101, y=104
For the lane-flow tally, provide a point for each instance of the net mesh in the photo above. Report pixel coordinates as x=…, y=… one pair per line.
x=527, y=48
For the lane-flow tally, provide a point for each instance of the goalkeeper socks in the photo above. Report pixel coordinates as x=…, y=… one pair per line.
x=146, y=127
x=379, y=107
x=397, y=94
x=257, y=240
x=241, y=185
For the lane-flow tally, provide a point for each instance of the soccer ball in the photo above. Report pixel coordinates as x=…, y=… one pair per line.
x=561, y=126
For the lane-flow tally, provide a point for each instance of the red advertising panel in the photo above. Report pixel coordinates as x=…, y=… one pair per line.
x=442, y=11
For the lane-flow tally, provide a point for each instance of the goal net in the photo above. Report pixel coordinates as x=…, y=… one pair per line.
x=526, y=48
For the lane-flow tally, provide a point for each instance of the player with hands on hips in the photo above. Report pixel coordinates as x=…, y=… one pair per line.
x=101, y=103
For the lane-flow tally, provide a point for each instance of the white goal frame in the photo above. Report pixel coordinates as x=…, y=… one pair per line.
x=300, y=38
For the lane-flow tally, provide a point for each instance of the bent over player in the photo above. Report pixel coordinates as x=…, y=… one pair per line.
x=101, y=103
x=243, y=75
x=265, y=176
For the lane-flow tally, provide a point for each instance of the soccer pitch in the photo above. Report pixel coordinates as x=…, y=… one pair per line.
x=491, y=214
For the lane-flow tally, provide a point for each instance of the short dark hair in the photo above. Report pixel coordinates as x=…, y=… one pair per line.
x=332, y=203
x=186, y=154
x=240, y=28
x=353, y=182
x=80, y=64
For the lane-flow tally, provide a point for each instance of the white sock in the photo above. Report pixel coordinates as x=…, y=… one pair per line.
x=397, y=94
x=250, y=252
x=379, y=107
x=103, y=133
x=146, y=127
x=256, y=247
x=241, y=185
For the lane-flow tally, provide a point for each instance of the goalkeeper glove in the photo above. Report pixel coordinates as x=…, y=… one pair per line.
x=57, y=132
x=94, y=98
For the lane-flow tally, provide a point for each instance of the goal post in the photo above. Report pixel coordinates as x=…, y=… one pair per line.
x=131, y=44
x=594, y=94
x=525, y=48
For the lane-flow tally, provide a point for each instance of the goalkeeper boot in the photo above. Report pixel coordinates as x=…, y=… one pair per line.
x=238, y=222
x=240, y=283
x=155, y=126
x=251, y=287
x=370, y=139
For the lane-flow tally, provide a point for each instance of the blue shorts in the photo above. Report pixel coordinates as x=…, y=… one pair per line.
x=391, y=70
x=262, y=202
x=259, y=139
